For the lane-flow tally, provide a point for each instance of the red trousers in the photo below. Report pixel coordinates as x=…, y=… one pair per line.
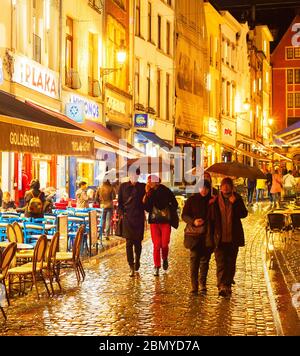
x=160, y=234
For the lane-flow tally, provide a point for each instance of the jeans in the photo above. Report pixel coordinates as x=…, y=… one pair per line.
x=137, y=245
x=276, y=197
x=250, y=195
x=107, y=214
x=259, y=194
x=160, y=234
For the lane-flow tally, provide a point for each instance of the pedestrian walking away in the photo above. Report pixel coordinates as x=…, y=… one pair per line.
x=104, y=197
x=198, y=238
x=162, y=206
x=289, y=184
x=276, y=188
x=225, y=220
x=131, y=210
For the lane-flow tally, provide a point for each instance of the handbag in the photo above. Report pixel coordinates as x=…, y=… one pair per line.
x=195, y=231
x=161, y=215
x=119, y=227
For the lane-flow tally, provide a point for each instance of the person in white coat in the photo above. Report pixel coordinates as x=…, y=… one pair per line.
x=289, y=182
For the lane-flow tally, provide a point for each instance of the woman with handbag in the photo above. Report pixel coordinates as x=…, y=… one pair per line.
x=161, y=204
x=197, y=235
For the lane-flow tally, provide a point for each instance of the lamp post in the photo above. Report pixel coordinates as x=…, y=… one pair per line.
x=121, y=59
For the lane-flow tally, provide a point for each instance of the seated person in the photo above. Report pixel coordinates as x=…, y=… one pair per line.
x=7, y=203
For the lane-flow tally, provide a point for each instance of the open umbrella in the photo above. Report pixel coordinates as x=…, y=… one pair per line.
x=236, y=169
x=148, y=165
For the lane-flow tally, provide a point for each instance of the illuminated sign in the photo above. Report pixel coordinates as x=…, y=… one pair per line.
x=90, y=107
x=75, y=111
x=141, y=120
x=35, y=76
x=228, y=132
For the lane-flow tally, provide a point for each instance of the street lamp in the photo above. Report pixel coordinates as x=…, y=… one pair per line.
x=121, y=59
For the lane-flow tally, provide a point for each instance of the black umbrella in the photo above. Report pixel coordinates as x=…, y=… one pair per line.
x=236, y=169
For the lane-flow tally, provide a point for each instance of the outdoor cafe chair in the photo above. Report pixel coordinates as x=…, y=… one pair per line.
x=295, y=219
x=31, y=269
x=10, y=233
x=50, y=267
x=33, y=230
x=72, y=259
x=5, y=262
x=21, y=255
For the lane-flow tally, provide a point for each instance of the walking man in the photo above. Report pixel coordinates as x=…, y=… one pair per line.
x=131, y=208
x=226, y=215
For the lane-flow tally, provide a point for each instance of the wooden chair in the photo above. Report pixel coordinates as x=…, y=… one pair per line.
x=6, y=258
x=31, y=269
x=50, y=267
x=21, y=255
x=72, y=259
x=10, y=233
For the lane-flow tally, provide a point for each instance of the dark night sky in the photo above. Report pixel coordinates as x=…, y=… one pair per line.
x=277, y=14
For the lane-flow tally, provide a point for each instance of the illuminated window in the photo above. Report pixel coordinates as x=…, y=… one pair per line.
x=289, y=53
x=297, y=76
x=290, y=76
x=297, y=100
x=297, y=52
x=290, y=100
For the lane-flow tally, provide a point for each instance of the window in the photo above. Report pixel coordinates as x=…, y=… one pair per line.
x=138, y=18
x=168, y=49
x=290, y=100
x=297, y=52
x=37, y=42
x=96, y=5
x=159, y=31
x=158, y=94
x=290, y=76
x=148, y=84
x=137, y=79
x=168, y=96
x=297, y=76
x=289, y=53
x=297, y=100
x=149, y=21
x=69, y=48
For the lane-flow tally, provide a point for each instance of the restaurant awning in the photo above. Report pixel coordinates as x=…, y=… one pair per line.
x=155, y=139
x=290, y=135
x=28, y=137
x=33, y=113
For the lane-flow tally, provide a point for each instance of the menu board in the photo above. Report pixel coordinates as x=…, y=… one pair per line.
x=93, y=231
x=63, y=232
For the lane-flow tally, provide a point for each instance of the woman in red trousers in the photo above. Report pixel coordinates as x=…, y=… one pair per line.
x=162, y=205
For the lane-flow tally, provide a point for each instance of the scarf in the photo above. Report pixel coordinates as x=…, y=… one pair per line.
x=226, y=218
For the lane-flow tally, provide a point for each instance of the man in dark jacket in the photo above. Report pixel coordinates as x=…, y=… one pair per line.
x=131, y=207
x=195, y=213
x=225, y=217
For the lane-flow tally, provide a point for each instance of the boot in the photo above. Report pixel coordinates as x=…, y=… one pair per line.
x=131, y=274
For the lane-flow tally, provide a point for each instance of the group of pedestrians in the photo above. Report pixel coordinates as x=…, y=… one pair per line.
x=276, y=185
x=214, y=225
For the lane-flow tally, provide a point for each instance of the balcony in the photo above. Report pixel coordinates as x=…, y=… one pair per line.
x=139, y=107
x=73, y=79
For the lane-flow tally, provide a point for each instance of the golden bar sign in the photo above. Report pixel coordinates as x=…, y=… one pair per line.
x=17, y=138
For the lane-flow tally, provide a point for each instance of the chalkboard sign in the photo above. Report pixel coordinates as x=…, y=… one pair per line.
x=93, y=231
x=63, y=232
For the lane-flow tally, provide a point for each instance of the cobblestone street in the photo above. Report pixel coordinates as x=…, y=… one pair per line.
x=109, y=302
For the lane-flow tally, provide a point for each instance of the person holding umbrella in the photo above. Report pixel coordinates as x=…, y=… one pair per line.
x=161, y=204
x=225, y=219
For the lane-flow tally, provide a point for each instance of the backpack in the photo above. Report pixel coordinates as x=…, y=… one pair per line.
x=35, y=205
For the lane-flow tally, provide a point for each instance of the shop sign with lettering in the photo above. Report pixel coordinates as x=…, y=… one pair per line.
x=228, y=132
x=17, y=138
x=116, y=105
x=35, y=76
x=212, y=126
x=90, y=107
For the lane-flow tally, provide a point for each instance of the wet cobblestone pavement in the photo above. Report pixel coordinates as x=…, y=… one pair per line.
x=109, y=302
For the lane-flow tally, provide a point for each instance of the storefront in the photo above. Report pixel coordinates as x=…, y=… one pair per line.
x=34, y=147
